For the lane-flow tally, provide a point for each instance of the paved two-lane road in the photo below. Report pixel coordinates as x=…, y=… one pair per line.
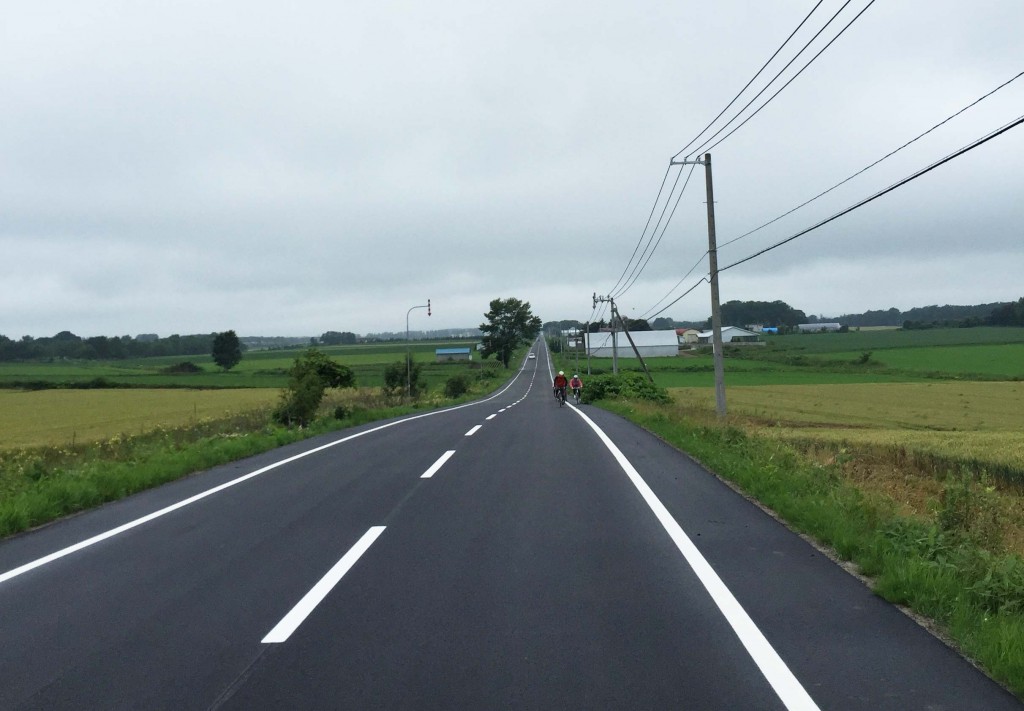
x=504, y=554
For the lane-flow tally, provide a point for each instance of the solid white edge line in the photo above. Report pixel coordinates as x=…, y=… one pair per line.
x=782, y=680
x=437, y=465
x=56, y=555
x=473, y=430
x=297, y=615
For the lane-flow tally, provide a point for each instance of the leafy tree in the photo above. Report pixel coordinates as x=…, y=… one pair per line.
x=1011, y=314
x=637, y=324
x=336, y=338
x=663, y=323
x=767, y=313
x=509, y=323
x=401, y=373
x=227, y=350
x=311, y=374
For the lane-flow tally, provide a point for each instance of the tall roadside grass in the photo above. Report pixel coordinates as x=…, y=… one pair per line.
x=950, y=565
x=41, y=484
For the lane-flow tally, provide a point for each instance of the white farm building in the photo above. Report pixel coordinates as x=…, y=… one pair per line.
x=651, y=344
x=730, y=334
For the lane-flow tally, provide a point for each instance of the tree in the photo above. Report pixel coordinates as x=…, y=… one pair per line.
x=311, y=374
x=402, y=373
x=509, y=323
x=227, y=350
x=336, y=338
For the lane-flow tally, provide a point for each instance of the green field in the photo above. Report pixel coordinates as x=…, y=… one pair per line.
x=859, y=341
x=258, y=369
x=1004, y=360
x=44, y=411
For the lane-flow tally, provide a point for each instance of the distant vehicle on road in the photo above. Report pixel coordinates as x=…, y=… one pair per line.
x=532, y=356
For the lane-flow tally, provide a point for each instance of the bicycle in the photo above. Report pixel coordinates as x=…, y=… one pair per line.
x=560, y=396
x=576, y=395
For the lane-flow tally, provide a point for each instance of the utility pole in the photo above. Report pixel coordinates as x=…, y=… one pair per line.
x=586, y=344
x=615, y=350
x=408, y=348
x=716, y=311
x=615, y=345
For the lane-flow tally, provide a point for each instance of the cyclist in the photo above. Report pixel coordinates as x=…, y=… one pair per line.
x=560, y=384
x=577, y=385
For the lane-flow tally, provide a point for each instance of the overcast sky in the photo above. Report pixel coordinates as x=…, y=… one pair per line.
x=292, y=168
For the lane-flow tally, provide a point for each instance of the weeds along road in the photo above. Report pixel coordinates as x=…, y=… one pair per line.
x=507, y=554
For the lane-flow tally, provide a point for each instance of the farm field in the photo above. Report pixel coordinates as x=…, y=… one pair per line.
x=859, y=341
x=137, y=396
x=258, y=369
x=1003, y=360
x=60, y=417
x=978, y=422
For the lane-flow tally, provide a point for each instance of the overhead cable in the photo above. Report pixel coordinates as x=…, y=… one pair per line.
x=747, y=85
x=970, y=147
x=863, y=170
x=848, y=24
x=680, y=298
x=638, y=272
x=677, y=284
x=739, y=113
x=640, y=241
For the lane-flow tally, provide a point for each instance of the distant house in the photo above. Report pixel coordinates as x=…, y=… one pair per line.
x=445, y=355
x=759, y=328
x=651, y=344
x=817, y=327
x=733, y=335
x=687, y=336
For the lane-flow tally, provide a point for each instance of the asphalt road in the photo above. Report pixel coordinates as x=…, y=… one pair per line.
x=507, y=554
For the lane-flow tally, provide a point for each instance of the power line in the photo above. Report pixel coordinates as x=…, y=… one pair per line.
x=791, y=80
x=640, y=241
x=633, y=278
x=914, y=176
x=886, y=156
x=747, y=85
x=677, y=284
x=703, y=280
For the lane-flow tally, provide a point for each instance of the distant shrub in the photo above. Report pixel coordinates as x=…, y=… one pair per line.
x=456, y=386
x=186, y=367
x=402, y=374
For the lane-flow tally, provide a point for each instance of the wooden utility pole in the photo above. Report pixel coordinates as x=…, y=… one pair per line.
x=716, y=310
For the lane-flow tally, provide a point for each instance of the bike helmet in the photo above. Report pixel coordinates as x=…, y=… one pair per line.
x=561, y=372
x=575, y=375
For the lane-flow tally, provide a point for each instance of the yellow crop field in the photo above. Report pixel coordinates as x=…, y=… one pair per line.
x=58, y=417
x=981, y=421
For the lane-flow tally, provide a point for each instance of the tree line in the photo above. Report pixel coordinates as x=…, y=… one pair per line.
x=67, y=345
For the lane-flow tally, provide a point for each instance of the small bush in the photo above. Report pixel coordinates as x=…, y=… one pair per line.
x=456, y=386
x=402, y=374
x=633, y=386
x=342, y=411
x=186, y=367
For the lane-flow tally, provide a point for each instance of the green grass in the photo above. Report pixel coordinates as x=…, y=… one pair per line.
x=859, y=341
x=939, y=571
x=258, y=369
x=1005, y=361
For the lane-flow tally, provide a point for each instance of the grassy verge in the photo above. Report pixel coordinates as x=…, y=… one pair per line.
x=949, y=565
x=41, y=484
